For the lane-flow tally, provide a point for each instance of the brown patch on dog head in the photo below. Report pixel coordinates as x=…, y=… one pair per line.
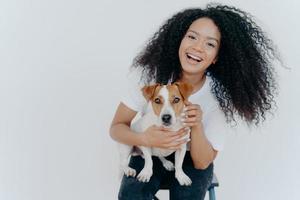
x=185, y=90
x=148, y=91
x=151, y=93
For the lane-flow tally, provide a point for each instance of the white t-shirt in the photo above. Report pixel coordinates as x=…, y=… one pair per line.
x=213, y=119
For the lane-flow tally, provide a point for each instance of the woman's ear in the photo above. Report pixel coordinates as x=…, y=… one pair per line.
x=215, y=60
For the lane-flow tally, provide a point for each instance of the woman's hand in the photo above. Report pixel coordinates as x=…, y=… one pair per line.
x=161, y=137
x=192, y=115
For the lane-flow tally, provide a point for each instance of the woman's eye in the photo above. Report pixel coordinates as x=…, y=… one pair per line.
x=211, y=45
x=191, y=37
x=157, y=101
x=176, y=100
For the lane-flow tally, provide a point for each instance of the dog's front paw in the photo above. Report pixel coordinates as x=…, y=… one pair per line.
x=182, y=178
x=145, y=175
x=128, y=171
x=168, y=165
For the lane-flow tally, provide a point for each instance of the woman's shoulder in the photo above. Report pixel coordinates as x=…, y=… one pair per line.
x=132, y=95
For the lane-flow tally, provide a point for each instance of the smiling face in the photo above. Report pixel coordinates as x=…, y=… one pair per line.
x=199, y=47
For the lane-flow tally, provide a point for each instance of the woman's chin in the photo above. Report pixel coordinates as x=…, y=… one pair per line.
x=193, y=69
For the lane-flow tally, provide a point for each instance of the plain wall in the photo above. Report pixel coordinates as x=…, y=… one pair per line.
x=62, y=68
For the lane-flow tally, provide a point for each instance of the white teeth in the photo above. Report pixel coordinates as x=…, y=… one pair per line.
x=194, y=57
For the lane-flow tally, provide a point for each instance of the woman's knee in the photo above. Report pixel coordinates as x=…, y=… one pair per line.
x=131, y=188
x=201, y=180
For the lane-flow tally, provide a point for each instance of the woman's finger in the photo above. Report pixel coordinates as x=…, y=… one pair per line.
x=190, y=106
x=191, y=124
x=191, y=113
x=187, y=103
x=177, y=145
x=170, y=134
x=174, y=139
x=191, y=120
x=181, y=136
x=163, y=128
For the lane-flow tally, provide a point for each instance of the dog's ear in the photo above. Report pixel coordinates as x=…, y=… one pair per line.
x=148, y=91
x=185, y=90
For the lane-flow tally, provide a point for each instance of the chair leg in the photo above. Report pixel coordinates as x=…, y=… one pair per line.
x=212, y=195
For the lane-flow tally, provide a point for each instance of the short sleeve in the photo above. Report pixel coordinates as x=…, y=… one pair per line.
x=215, y=128
x=132, y=95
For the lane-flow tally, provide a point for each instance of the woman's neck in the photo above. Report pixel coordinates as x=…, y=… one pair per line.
x=197, y=81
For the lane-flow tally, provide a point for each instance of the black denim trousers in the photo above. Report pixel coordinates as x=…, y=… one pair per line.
x=132, y=189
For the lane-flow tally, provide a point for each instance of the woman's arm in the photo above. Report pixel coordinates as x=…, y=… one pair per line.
x=201, y=150
x=120, y=127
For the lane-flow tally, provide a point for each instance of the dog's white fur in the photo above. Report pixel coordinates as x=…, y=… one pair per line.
x=150, y=118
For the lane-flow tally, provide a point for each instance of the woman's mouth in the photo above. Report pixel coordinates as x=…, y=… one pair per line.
x=194, y=59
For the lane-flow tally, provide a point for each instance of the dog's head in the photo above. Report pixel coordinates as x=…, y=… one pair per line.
x=168, y=100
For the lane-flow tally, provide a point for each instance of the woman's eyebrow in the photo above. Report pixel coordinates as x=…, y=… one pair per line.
x=208, y=37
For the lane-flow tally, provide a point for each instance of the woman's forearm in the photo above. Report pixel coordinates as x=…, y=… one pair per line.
x=201, y=150
x=123, y=134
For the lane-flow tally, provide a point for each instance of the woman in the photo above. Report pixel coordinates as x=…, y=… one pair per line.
x=227, y=58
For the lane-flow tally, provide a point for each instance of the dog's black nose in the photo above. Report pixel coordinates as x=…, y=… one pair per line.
x=166, y=118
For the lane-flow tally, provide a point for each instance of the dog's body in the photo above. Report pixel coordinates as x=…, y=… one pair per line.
x=165, y=105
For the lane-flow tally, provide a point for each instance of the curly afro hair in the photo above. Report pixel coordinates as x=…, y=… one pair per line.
x=243, y=76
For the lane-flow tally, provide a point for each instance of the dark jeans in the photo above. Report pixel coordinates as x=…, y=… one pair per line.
x=132, y=189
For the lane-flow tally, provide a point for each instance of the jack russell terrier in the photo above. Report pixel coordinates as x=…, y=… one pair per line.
x=164, y=108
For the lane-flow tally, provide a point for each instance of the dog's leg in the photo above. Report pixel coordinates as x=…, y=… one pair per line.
x=147, y=171
x=182, y=178
x=125, y=151
x=166, y=163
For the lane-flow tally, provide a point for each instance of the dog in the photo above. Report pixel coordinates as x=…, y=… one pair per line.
x=164, y=108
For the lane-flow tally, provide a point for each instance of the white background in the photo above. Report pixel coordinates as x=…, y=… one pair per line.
x=62, y=68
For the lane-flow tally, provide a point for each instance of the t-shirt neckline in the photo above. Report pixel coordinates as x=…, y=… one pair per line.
x=203, y=88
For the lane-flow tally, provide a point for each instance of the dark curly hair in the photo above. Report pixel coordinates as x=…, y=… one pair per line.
x=243, y=76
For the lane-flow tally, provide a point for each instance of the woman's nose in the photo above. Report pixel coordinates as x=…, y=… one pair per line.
x=198, y=46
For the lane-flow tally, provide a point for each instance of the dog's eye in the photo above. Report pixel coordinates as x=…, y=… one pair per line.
x=176, y=100
x=157, y=101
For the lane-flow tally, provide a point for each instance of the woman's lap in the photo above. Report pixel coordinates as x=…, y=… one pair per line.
x=132, y=189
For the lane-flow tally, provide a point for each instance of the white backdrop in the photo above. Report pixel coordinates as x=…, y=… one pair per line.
x=62, y=65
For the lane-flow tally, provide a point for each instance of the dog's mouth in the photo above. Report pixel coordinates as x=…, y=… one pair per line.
x=167, y=124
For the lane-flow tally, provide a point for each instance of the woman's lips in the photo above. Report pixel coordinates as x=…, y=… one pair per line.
x=193, y=59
